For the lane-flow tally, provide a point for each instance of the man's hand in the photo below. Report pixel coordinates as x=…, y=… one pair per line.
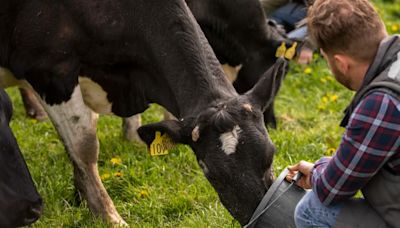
x=304, y=168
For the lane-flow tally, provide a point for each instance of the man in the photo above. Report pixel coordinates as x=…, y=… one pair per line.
x=353, y=40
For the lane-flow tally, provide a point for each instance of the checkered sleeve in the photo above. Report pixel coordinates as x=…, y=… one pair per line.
x=372, y=137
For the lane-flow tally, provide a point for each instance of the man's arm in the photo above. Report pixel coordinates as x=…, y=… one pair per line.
x=371, y=138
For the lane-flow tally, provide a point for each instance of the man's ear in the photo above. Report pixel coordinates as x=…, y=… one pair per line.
x=342, y=63
x=173, y=128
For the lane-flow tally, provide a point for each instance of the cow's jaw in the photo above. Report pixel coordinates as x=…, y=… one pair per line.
x=241, y=202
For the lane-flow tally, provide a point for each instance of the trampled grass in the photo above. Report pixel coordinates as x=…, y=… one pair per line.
x=171, y=191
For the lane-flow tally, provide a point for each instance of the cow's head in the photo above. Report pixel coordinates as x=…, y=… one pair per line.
x=20, y=203
x=231, y=144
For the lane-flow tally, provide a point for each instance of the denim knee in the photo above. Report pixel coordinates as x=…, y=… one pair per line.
x=302, y=214
x=310, y=212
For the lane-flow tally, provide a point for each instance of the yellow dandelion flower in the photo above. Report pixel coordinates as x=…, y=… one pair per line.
x=395, y=28
x=333, y=98
x=116, y=161
x=308, y=70
x=105, y=176
x=118, y=174
x=331, y=151
x=143, y=194
x=329, y=78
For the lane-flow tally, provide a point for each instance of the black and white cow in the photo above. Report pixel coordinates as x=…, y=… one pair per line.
x=20, y=203
x=132, y=53
x=243, y=40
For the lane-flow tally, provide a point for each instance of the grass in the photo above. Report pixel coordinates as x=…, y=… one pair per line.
x=171, y=191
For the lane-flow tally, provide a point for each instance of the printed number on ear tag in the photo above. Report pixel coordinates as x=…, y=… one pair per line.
x=161, y=144
x=280, y=52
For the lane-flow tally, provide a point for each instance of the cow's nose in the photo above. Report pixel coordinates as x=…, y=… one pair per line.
x=34, y=212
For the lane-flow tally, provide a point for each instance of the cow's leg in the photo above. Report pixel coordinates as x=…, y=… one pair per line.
x=168, y=115
x=76, y=125
x=130, y=126
x=33, y=107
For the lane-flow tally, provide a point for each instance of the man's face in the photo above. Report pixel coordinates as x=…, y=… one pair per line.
x=333, y=65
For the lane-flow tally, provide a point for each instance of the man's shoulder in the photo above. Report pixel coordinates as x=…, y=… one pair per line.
x=379, y=102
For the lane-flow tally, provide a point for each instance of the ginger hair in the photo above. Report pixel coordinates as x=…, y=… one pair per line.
x=351, y=27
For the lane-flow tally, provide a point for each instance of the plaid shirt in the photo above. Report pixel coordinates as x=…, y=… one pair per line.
x=371, y=141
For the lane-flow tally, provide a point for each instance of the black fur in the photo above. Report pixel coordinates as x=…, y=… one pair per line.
x=18, y=195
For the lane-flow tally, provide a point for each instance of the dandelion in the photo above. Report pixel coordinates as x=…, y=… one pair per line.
x=333, y=98
x=330, y=151
x=116, y=161
x=105, y=176
x=143, y=194
x=308, y=70
x=395, y=28
x=118, y=174
x=329, y=78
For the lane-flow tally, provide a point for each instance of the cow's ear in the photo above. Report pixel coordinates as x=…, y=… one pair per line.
x=263, y=93
x=173, y=128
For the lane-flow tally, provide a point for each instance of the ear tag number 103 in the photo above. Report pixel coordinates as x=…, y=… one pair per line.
x=161, y=144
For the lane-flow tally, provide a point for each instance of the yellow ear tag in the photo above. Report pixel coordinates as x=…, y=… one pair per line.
x=291, y=51
x=161, y=144
x=281, y=50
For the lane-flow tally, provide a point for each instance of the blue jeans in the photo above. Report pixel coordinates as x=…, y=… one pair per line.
x=310, y=212
x=288, y=15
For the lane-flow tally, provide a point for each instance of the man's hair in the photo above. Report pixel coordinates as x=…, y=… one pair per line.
x=350, y=27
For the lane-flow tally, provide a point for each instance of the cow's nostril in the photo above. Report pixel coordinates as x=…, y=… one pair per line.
x=34, y=212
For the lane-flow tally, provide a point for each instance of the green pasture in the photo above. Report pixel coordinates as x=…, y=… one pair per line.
x=171, y=190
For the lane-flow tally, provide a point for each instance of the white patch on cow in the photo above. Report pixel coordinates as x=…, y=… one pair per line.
x=196, y=133
x=248, y=107
x=94, y=96
x=394, y=71
x=230, y=140
x=73, y=120
x=7, y=79
x=76, y=125
x=204, y=167
x=231, y=72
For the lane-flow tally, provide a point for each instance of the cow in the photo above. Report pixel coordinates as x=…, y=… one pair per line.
x=243, y=40
x=131, y=53
x=20, y=203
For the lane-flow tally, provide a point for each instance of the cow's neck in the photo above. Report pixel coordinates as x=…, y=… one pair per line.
x=193, y=75
x=191, y=94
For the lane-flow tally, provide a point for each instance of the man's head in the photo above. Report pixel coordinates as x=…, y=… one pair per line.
x=349, y=33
